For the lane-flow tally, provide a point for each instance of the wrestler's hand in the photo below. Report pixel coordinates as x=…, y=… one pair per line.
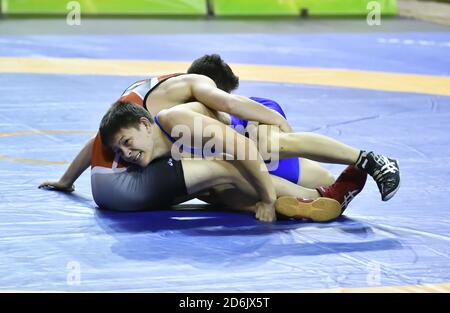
x=265, y=212
x=57, y=185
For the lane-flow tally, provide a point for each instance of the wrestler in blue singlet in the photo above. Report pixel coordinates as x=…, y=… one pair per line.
x=287, y=168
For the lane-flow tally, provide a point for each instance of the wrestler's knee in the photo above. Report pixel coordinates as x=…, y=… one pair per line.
x=327, y=179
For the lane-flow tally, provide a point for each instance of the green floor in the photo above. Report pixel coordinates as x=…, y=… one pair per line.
x=37, y=26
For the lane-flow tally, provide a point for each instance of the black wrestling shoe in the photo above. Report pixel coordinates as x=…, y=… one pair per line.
x=385, y=172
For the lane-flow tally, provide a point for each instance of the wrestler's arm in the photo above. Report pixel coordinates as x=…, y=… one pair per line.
x=75, y=169
x=203, y=89
x=232, y=143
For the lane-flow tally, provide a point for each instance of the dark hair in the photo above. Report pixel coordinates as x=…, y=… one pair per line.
x=121, y=114
x=215, y=68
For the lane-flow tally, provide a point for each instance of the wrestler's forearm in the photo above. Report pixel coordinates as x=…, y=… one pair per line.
x=203, y=89
x=247, y=155
x=78, y=165
x=257, y=173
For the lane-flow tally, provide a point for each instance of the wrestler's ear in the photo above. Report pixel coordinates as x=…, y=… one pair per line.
x=146, y=123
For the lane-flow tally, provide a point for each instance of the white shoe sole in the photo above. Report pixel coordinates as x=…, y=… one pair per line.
x=319, y=210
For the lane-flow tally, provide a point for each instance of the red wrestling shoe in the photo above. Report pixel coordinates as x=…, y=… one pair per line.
x=347, y=186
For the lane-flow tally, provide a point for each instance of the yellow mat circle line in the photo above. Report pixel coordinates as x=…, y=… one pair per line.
x=426, y=288
x=27, y=160
x=46, y=132
x=38, y=132
x=386, y=81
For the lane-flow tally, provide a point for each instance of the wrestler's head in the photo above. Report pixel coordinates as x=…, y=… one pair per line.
x=215, y=68
x=126, y=128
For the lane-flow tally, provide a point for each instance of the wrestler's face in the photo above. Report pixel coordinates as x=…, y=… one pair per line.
x=135, y=145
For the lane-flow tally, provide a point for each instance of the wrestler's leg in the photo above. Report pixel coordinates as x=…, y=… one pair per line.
x=229, y=189
x=183, y=180
x=312, y=175
x=200, y=175
x=272, y=142
x=289, y=204
x=385, y=171
x=203, y=175
x=203, y=178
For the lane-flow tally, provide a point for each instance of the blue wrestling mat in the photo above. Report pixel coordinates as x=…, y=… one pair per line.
x=53, y=241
